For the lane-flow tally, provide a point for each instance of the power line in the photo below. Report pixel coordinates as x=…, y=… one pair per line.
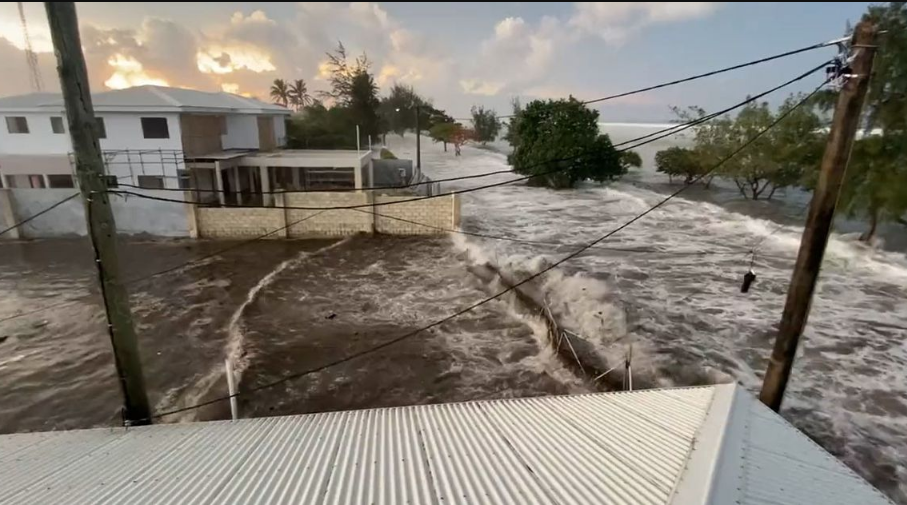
x=634, y=250
x=663, y=133
x=610, y=97
x=167, y=270
x=224, y=250
x=650, y=138
x=39, y=214
x=698, y=76
x=510, y=288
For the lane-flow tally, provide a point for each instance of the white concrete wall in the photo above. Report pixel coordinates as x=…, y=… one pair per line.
x=242, y=132
x=40, y=138
x=124, y=131
x=133, y=215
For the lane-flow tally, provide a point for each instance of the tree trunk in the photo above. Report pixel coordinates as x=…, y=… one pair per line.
x=772, y=192
x=670, y=179
x=708, y=182
x=741, y=188
x=445, y=147
x=873, y=224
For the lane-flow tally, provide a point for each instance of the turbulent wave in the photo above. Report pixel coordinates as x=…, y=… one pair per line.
x=677, y=296
x=234, y=349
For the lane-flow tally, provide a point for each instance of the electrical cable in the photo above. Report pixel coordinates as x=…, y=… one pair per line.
x=551, y=244
x=510, y=288
x=698, y=76
x=167, y=270
x=664, y=133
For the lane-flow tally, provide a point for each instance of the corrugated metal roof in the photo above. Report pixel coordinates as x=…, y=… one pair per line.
x=692, y=445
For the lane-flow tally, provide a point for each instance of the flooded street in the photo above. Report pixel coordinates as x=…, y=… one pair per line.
x=669, y=286
x=276, y=307
x=674, y=293
x=56, y=365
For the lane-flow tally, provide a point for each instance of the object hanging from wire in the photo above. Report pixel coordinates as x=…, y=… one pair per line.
x=749, y=277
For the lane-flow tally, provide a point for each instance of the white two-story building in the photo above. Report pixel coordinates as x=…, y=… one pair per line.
x=147, y=134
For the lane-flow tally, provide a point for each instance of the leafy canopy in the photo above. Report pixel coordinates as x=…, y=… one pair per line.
x=485, y=124
x=562, y=136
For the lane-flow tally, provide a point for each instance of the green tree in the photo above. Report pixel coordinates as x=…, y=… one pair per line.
x=678, y=162
x=280, y=92
x=446, y=133
x=876, y=186
x=318, y=127
x=630, y=159
x=298, y=94
x=781, y=157
x=485, y=123
x=516, y=108
x=398, y=108
x=353, y=88
x=562, y=137
x=342, y=73
x=363, y=104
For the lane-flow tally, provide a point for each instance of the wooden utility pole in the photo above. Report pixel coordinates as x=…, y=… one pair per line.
x=83, y=130
x=844, y=127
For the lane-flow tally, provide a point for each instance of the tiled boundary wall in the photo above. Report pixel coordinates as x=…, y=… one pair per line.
x=420, y=217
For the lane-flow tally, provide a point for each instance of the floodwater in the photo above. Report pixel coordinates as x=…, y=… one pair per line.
x=676, y=297
x=669, y=285
x=274, y=307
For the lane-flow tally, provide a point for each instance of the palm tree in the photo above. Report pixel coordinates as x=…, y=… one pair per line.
x=280, y=93
x=299, y=94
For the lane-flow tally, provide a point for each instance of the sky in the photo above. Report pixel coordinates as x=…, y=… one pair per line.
x=457, y=54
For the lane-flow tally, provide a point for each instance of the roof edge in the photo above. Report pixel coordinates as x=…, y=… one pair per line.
x=709, y=456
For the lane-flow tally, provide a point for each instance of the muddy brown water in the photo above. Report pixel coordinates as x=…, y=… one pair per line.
x=284, y=306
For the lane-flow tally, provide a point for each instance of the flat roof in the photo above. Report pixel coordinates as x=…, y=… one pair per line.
x=308, y=157
x=149, y=99
x=713, y=444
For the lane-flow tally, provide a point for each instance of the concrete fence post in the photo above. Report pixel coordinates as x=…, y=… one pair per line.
x=454, y=210
x=280, y=200
x=8, y=215
x=370, y=199
x=191, y=216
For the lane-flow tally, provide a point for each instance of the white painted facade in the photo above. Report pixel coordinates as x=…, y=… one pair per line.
x=32, y=159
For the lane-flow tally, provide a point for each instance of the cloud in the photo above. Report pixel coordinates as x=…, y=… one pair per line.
x=480, y=87
x=16, y=73
x=519, y=56
x=160, y=51
x=615, y=21
x=128, y=72
x=516, y=55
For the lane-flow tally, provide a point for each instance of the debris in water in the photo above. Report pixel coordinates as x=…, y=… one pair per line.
x=748, y=279
x=330, y=316
x=3, y=338
x=40, y=324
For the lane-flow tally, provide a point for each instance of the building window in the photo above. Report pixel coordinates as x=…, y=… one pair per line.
x=56, y=124
x=60, y=181
x=151, y=182
x=112, y=181
x=185, y=178
x=155, y=128
x=17, y=124
x=102, y=128
x=35, y=181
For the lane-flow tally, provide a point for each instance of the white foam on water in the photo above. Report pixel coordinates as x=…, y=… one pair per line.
x=685, y=313
x=233, y=349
